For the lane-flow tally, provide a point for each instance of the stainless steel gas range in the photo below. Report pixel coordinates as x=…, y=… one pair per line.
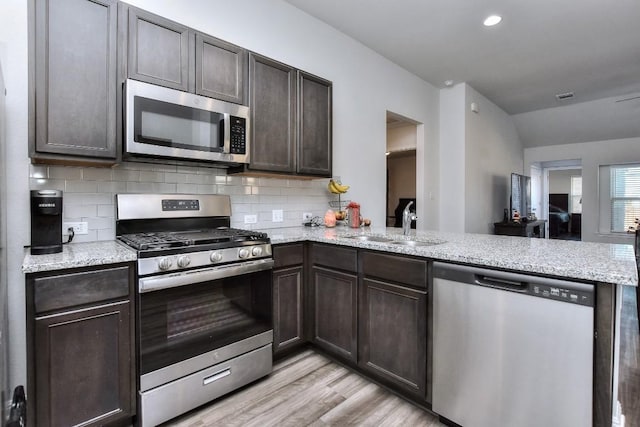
x=204, y=303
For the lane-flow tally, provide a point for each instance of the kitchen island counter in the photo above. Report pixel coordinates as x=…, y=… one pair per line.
x=594, y=262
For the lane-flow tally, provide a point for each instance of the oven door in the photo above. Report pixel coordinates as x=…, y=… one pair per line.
x=180, y=323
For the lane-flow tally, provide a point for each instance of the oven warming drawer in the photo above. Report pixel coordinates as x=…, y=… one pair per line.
x=167, y=401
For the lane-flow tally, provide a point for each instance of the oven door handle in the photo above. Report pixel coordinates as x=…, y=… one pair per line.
x=149, y=284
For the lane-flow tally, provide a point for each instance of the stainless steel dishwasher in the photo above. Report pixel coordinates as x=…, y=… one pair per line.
x=511, y=349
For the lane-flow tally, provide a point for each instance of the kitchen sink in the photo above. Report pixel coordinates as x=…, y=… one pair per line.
x=415, y=243
x=368, y=238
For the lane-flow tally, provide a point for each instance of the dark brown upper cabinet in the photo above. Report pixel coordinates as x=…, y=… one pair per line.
x=221, y=69
x=272, y=104
x=314, y=125
x=158, y=50
x=173, y=55
x=75, y=71
x=290, y=118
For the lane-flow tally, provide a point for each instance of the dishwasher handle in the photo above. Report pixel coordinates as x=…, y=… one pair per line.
x=499, y=283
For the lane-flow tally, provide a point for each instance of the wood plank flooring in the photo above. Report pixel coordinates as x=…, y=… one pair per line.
x=310, y=390
x=629, y=377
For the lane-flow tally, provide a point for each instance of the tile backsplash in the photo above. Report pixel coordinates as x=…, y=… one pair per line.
x=89, y=193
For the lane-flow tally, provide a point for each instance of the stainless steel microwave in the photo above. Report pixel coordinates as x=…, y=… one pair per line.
x=167, y=123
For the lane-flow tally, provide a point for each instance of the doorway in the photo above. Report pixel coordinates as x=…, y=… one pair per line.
x=563, y=199
x=401, y=168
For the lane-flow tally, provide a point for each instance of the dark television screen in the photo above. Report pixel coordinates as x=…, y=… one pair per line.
x=520, y=194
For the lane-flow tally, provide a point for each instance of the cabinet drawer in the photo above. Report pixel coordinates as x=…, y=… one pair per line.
x=335, y=257
x=74, y=289
x=286, y=255
x=398, y=269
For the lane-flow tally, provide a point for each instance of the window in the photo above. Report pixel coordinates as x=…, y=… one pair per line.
x=625, y=196
x=576, y=195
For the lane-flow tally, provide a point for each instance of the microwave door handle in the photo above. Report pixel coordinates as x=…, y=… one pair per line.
x=226, y=125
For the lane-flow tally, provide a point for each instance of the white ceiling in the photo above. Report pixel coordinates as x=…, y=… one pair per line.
x=541, y=48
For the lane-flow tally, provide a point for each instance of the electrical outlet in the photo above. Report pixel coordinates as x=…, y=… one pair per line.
x=307, y=216
x=250, y=219
x=277, y=215
x=78, y=227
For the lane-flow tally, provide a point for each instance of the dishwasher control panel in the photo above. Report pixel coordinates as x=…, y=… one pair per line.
x=564, y=294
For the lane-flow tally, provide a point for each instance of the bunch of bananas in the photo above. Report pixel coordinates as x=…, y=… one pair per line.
x=336, y=187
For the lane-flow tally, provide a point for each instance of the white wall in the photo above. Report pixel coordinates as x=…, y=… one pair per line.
x=493, y=152
x=365, y=87
x=592, y=154
x=560, y=180
x=478, y=152
x=452, y=155
x=401, y=138
x=13, y=55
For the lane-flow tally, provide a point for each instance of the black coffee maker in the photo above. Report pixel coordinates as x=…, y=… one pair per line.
x=46, y=222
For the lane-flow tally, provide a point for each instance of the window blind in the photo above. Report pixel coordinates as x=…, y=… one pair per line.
x=625, y=197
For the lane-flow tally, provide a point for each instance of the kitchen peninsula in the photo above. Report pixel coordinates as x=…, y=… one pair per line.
x=360, y=276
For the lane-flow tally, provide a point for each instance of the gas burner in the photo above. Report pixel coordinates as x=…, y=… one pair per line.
x=191, y=238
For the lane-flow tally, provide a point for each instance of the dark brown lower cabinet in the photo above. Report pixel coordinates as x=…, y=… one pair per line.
x=334, y=312
x=81, y=349
x=287, y=308
x=393, y=337
x=288, y=297
x=393, y=329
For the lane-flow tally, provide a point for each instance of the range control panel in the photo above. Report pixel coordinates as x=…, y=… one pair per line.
x=180, y=205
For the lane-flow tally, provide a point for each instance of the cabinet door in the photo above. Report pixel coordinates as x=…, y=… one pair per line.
x=75, y=78
x=314, y=125
x=83, y=362
x=393, y=334
x=287, y=308
x=334, y=311
x=221, y=69
x=159, y=50
x=272, y=102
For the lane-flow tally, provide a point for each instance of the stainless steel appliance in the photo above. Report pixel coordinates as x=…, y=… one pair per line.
x=204, y=308
x=163, y=122
x=511, y=349
x=46, y=222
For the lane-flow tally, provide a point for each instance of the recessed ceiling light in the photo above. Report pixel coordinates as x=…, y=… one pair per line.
x=492, y=20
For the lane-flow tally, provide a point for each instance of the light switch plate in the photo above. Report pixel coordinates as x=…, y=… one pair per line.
x=277, y=215
x=250, y=219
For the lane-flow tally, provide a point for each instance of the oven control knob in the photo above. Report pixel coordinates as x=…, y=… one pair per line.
x=215, y=257
x=256, y=251
x=165, y=263
x=243, y=253
x=184, y=261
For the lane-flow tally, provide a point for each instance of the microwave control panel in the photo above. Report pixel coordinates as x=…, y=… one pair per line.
x=238, y=136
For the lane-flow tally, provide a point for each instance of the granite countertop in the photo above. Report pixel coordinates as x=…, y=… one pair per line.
x=598, y=262
x=79, y=255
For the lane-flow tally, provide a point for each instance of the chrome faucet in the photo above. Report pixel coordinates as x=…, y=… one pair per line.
x=407, y=217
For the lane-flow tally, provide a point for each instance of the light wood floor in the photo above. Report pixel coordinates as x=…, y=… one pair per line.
x=310, y=390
